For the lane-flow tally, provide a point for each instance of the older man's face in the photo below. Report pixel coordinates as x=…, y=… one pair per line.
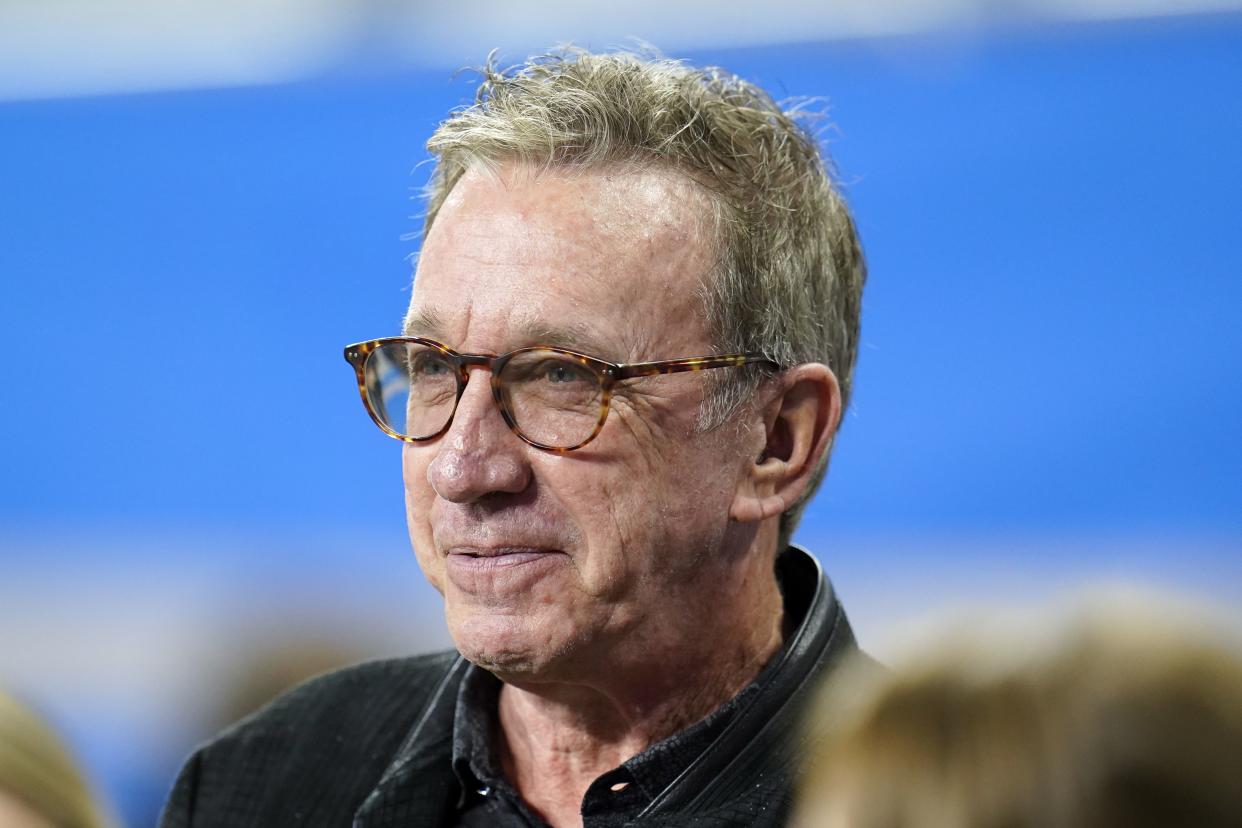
x=551, y=563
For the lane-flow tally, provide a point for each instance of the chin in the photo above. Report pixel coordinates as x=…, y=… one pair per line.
x=506, y=645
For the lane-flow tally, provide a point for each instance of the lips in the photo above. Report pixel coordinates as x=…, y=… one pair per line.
x=493, y=552
x=500, y=552
x=497, y=570
x=503, y=560
x=482, y=560
x=496, y=551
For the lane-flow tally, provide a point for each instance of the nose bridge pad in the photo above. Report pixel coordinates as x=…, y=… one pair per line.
x=466, y=371
x=502, y=402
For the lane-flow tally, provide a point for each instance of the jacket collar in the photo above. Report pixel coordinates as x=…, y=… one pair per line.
x=764, y=738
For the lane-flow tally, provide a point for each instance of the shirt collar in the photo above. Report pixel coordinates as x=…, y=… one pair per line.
x=476, y=741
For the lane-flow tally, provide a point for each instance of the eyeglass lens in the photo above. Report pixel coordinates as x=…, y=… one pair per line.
x=551, y=398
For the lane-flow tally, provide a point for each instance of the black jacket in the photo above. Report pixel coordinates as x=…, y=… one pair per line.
x=370, y=746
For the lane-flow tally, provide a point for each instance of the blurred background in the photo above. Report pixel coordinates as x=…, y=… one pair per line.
x=201, y=203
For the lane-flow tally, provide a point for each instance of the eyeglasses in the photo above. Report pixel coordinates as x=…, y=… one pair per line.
x=551, y=398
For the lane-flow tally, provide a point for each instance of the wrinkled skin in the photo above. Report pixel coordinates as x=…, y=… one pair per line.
x=624, y=590
x=632, y=536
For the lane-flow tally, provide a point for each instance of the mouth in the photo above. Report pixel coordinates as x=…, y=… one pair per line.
x=500, y=551
x=497, y=557
x=501, y=570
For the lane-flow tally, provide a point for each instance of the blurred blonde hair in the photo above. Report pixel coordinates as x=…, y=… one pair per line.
x=38, y=771
x=790, y=270
x=1123, y=719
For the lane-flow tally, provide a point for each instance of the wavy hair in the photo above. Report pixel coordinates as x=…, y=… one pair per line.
x=790, y=270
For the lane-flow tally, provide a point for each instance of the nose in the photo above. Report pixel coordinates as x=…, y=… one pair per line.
x=478, y=455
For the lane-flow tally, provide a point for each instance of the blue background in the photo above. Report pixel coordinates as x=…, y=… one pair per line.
x=1048, y=379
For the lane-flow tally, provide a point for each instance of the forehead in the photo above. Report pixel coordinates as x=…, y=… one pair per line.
x=600, y=259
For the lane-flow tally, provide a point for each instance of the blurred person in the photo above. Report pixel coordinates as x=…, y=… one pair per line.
x=630, y=339
x=272, y=667
x=1123, y=718
x=40, y=784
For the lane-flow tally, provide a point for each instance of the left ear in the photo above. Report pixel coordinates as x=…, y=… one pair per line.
x=799, y=424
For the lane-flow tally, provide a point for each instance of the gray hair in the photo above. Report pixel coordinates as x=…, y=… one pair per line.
x=790, y=271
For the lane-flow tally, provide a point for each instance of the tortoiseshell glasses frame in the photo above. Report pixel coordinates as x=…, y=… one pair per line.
x=605, y=374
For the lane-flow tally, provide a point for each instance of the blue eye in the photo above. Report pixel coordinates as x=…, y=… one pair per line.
x=560, y=372
x=547, y=373
x=429, y=364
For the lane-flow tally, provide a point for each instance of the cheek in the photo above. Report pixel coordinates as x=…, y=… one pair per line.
x=686, y=494
x=418, y=500
x=418, y=492
x=653, y=514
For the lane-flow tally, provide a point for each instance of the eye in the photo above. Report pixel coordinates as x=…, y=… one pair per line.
x=546, y=372
x=429, y=365
x=558, y=372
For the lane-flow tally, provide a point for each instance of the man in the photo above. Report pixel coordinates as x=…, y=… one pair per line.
x=629, y=344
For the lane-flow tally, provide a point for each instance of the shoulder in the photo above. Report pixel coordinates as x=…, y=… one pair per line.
x=348, y=697
x=326, y=741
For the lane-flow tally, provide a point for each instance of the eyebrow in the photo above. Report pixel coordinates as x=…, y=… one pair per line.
x=572, y=336
x=425, y=321
x=428, y=321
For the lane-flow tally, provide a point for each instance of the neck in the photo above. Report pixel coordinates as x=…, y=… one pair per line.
x=559, y=736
